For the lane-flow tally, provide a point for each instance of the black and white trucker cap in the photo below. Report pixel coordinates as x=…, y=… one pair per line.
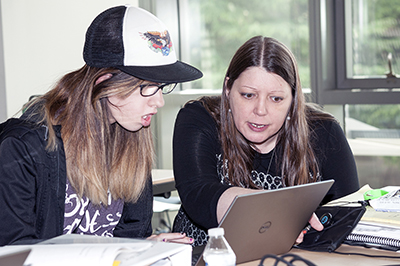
x=136, y=42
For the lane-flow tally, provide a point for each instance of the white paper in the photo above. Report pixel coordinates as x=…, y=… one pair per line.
x=387, y=203
x=375, y=229
x=80, y=250
x=76, y=254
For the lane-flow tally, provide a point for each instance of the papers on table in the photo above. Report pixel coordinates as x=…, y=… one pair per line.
x=387, y=203
x=91, y=250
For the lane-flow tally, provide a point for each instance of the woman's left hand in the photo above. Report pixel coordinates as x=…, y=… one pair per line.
x=172, y=237
x=314, y=223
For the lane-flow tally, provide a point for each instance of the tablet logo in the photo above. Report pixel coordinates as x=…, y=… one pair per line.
x=264, y=227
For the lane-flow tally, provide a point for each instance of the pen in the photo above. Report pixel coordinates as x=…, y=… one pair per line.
x=325, y=221
x=305, y=230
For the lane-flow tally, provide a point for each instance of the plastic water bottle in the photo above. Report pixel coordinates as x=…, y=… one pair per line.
x=217, y=251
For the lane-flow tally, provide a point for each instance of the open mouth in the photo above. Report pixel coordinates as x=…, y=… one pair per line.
x=257, y=125
x=146, y=120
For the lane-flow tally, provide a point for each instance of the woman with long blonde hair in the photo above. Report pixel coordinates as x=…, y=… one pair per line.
x=79, y=158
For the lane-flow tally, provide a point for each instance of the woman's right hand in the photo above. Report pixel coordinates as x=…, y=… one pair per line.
x=314, y=223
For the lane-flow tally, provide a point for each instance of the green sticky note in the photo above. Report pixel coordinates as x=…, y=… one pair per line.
x=374, y=194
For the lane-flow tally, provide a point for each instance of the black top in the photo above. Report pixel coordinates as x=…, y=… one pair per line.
x=33, y=187
x=197, y=162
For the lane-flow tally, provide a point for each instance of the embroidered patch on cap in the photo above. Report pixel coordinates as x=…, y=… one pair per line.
x=159, y=42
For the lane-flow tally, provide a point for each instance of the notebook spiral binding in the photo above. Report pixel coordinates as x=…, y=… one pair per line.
x=386, y=241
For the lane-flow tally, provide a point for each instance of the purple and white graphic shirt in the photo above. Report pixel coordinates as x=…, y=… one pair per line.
x=82, y=217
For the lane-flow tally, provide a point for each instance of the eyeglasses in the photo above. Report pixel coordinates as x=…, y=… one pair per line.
x=147, y=90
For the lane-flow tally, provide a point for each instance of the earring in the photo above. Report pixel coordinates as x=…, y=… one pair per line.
x=288, y=118
x=229, y=110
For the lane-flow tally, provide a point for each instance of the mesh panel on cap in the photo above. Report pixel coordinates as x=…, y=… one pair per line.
x=103, y=46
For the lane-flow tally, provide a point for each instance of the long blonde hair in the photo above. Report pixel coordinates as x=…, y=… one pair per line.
x=100, y=156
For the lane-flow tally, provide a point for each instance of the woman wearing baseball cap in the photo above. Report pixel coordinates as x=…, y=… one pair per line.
x=79, y=159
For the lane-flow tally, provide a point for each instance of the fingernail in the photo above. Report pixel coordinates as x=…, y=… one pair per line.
x=191, y=239
x=164, y=240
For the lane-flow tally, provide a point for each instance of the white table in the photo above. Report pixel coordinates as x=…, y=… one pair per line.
x=163, y=182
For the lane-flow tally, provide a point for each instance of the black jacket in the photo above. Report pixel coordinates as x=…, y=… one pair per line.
x=32, y=188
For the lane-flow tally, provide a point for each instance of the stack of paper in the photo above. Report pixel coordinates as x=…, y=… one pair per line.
x=92, y=250
x=387, y=203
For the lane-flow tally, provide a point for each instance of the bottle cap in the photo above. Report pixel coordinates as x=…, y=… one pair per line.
x=219, y=231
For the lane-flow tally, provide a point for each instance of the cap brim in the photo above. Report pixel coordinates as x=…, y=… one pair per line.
x=172, y=73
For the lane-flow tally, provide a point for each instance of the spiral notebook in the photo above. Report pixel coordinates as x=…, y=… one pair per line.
x=375, y=235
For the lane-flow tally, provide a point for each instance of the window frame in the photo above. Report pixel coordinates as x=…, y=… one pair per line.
x=328, y=55
x=326, y=33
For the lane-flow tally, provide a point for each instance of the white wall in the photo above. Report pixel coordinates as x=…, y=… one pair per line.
x=43, y=40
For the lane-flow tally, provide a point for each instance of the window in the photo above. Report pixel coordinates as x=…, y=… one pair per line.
x=358, y=38
x=224, y=25
x=342, y=48
x=371, y=45
x=211, y=31
x=350, y=63
x=373, y=132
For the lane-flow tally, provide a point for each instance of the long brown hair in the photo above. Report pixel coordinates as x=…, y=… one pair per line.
x=295, y=154
x=100, y=156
